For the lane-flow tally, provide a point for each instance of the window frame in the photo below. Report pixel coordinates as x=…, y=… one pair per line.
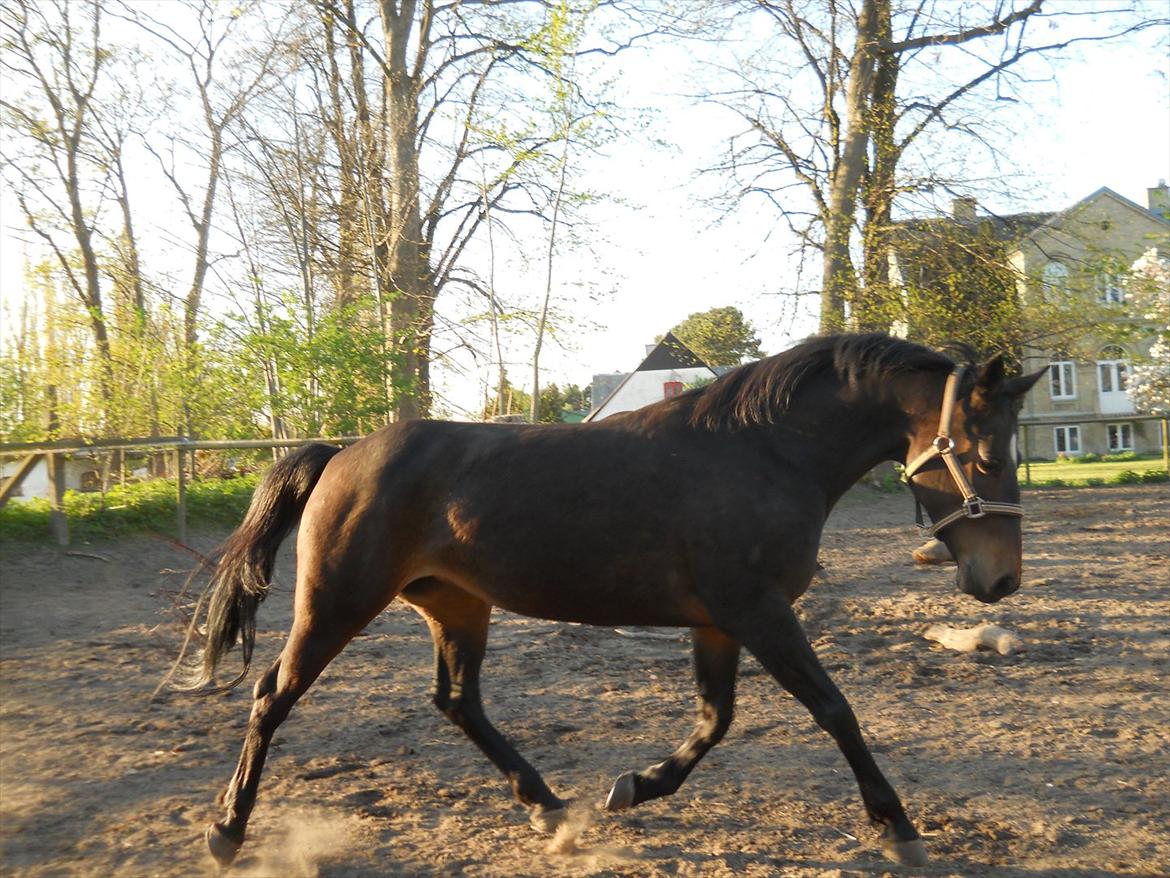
x=1054, y=279
x=1115, y=359
x=1072, y=375
x=671, y=389
x=1070, y=431
x=1122, y=428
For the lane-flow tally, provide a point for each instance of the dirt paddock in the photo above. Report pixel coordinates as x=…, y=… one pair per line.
x=1052, y=762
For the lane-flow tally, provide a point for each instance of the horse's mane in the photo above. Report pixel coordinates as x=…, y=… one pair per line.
x=756, y=392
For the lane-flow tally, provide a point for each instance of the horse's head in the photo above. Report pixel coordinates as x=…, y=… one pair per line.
x=962, y=469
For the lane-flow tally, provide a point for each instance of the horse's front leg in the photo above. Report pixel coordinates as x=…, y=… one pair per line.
x=770, y=631
x=716, y=661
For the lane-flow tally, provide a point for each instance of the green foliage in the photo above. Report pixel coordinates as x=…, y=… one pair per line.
x=1120, y=457
x=1128, y=477
x=719, y=336
x=554, y=402
x=140, y=507
x=1087, y=457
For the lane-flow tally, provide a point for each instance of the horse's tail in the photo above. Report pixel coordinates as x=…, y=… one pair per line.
x=244, y=563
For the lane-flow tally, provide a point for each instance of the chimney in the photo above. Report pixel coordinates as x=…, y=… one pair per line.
x=963, y=209
x=650, y=349
x=1158, y=199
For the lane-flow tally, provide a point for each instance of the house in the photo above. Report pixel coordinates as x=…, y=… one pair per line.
x=1083, y=254
x=81, y=474
x=669, y=367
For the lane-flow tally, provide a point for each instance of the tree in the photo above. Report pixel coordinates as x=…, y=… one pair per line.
x=1148, y=292
x=834, y=116
x=55, y=60
x=442, y=152
x=719, y=336
x=554, y=403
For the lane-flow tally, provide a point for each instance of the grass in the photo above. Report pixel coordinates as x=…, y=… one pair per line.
x=140, y=507
x=1131, y=471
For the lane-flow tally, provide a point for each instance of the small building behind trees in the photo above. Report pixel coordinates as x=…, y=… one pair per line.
x=668, y=369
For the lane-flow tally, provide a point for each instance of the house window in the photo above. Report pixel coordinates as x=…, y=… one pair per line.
x=1111, y=369
x=1067, y=439
x=1111, y=290
x=1120, y=437
x=671, y=388
x=1055, y=277
x=1063, y=378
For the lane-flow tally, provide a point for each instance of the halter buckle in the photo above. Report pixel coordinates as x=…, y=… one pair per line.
x=973, y=508
x=943, y=444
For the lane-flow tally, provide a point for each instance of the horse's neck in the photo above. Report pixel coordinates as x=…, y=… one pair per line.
x=847, y=439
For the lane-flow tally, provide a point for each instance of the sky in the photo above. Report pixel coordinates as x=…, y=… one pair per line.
x=663, y=252
x=1103, y=119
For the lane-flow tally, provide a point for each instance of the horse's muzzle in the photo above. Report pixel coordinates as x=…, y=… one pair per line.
x=1008, y=583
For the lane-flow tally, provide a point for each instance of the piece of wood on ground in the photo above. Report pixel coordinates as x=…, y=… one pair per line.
x=984, y=636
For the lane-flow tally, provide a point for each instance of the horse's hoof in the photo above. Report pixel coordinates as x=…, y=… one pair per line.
x=221, y=846
x=547, y=820
x=622, y=795
x=908, y=853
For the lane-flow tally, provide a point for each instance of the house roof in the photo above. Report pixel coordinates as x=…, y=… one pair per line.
x=668, y=355
x=1010, y=227
x=1106, y=192
x=1013, y=227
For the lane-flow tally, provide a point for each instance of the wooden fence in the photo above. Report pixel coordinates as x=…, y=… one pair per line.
x=182, y=449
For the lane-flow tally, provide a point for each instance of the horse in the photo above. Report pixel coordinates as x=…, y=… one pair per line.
x=704, y=510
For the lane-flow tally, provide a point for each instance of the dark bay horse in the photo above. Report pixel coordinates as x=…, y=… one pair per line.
x=703, y=511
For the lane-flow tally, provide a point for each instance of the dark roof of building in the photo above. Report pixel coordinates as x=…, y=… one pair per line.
x=1011, y=227
x=670, y=353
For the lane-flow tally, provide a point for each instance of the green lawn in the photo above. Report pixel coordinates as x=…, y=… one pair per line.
x=1067, y=472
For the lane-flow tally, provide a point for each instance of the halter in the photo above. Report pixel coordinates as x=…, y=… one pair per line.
x=943, y=446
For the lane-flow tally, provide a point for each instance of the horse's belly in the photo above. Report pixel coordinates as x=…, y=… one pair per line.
x=580, y=599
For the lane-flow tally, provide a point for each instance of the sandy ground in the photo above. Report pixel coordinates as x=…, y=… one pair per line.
x=1052, y=762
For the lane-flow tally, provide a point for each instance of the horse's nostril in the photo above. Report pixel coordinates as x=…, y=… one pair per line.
x=1005, y=585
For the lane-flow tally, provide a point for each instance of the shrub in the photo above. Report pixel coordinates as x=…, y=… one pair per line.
x=1127, y=477
x=142, y=506
x=1152, y=476
x=1087, y=457
x=1120, y=457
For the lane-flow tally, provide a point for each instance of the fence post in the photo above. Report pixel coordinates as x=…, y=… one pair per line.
x=58, y=521
x=181, y=507
x=1027, y=456
x=1166, y=444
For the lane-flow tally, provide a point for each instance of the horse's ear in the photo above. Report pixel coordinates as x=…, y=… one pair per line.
x=990, y=374
x=1017, y=387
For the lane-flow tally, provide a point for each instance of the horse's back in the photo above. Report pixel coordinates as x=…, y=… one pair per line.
x=583, y=523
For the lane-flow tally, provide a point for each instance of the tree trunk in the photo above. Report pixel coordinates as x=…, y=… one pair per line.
x=349, y=222
x=839, y=278
x=407, y=260
x=875, y=308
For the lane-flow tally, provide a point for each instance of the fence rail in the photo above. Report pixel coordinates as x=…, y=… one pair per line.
x=54, y=454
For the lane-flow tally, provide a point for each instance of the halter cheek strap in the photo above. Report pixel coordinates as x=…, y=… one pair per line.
x=943, y=446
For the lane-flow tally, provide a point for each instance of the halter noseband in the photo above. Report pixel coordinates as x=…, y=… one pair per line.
x=943, y=446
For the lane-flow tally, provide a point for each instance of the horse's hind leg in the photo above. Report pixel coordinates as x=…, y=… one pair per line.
x=320, y=630
x=459, y=623
x=716, y=659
